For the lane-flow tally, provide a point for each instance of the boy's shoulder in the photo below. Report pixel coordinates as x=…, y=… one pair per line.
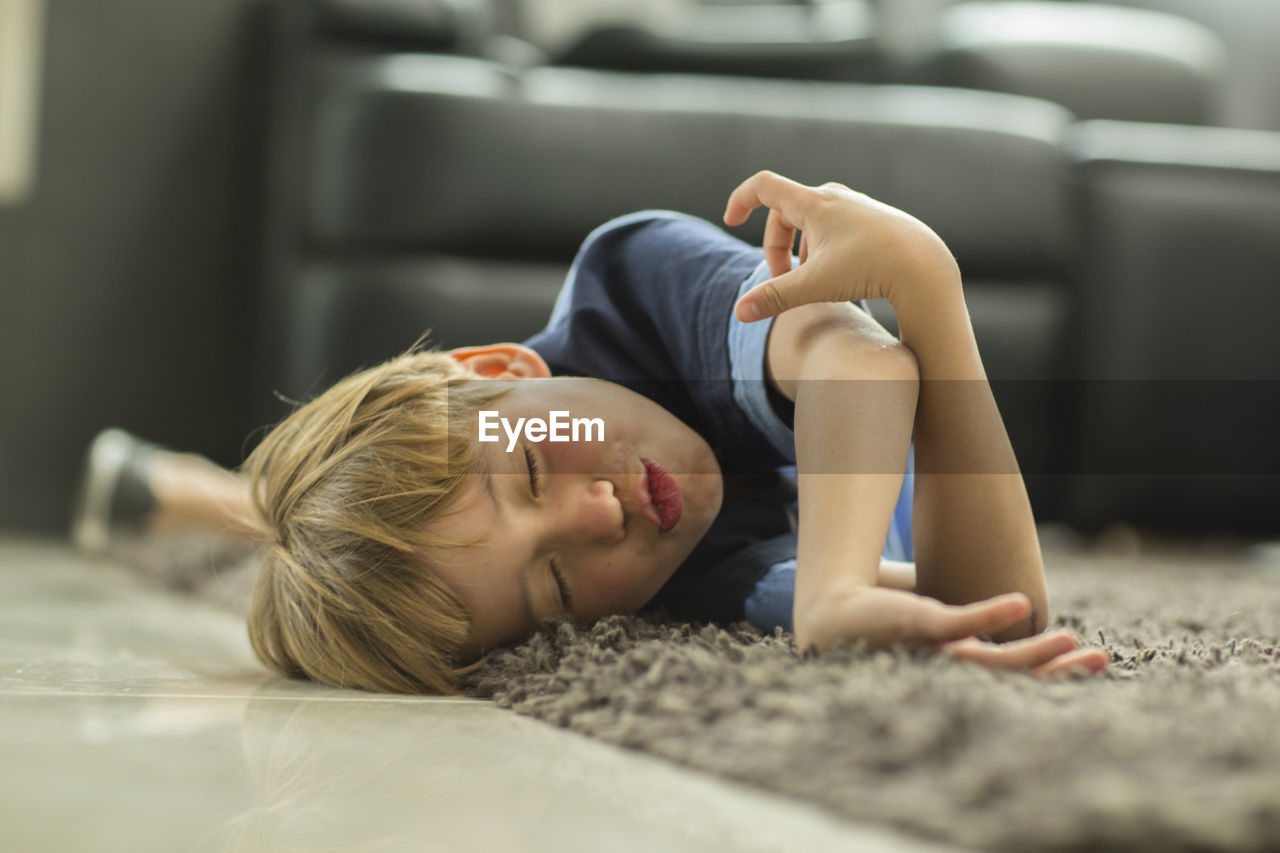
x=670, y=231
x=657, y=264
x=647, y=217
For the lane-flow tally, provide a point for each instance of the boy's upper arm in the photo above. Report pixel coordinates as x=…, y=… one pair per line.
x=802, y=332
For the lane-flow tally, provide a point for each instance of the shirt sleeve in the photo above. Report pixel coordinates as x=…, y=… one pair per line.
x=768, y=410
x=648, y=304
x=747, y=345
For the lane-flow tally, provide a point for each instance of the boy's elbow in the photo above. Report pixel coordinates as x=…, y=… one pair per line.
x=1040, y=617
x=1038, y=620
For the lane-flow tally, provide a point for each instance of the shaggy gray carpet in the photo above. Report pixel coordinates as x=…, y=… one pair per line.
x=1176, y=747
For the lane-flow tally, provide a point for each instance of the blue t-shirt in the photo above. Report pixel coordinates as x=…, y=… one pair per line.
x=648, y=304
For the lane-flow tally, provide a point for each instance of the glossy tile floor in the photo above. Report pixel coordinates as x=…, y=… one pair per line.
x=133, y=719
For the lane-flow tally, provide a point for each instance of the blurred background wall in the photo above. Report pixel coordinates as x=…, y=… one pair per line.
x=125, y=272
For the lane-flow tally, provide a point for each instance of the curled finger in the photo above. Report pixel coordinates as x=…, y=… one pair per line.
x=769, y=189
x=779, y=237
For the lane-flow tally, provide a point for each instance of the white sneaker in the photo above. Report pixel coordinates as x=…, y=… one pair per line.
x=115, y=495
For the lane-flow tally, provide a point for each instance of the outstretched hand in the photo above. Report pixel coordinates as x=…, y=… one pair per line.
x=884, y=616
x=852, y=247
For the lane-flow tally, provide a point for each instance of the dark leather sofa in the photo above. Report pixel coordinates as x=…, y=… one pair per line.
x=414, y=182
x=1097, y=60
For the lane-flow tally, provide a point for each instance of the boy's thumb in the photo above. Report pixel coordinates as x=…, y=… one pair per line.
x=767, y=299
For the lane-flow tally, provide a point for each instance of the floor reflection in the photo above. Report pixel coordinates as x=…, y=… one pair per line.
x=135, y=720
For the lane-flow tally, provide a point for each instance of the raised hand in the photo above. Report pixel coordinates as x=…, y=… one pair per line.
x=852, y=246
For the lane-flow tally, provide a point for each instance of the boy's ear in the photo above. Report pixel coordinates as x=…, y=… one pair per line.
x=502, y=361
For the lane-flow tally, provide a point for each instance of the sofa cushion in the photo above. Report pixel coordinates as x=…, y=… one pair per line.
x=827, y=41
x=416, y=24
x=1099, y=61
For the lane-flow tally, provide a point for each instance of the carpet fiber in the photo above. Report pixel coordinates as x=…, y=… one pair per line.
x=1176, y=747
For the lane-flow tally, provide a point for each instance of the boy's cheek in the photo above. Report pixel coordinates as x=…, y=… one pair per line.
x=619, y=589
x=588, y=454
x=584, y=458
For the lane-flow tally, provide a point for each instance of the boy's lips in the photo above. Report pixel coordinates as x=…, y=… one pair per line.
x=659, y=495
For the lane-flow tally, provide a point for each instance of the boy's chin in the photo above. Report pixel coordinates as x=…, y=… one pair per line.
x=708, y=494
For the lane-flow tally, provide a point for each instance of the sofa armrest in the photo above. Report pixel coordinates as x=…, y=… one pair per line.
x=1177, y=360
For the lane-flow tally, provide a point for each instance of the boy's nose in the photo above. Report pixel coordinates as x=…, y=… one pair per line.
x=591, y=515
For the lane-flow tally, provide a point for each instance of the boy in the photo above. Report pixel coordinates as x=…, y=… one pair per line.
x=380, y=500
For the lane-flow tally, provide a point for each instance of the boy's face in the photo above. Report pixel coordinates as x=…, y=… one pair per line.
x=587, y=519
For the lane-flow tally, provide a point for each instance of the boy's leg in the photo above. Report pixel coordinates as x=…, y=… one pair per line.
x=193, y=493
x=176, y=518
x=133, y=489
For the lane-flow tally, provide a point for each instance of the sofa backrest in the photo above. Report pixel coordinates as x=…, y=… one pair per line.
x=428, y=153
x=402, y=182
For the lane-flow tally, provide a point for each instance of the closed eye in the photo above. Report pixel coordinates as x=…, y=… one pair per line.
x=535, y=484
x=535, y=474
x=565, y=597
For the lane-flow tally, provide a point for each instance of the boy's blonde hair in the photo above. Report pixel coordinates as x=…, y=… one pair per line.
x=346, y=487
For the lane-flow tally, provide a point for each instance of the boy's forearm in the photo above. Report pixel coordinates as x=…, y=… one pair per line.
x=974, y=534
x=850, y=438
